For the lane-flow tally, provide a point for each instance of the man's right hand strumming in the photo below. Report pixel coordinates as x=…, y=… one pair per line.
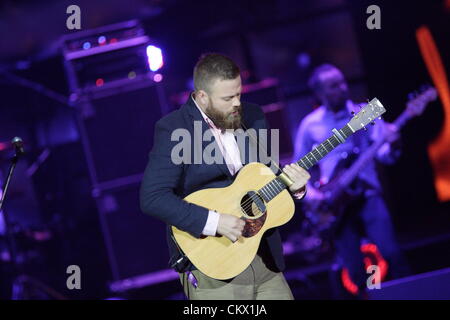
x=230, y=226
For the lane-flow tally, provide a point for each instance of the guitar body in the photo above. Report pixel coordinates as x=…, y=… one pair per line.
x=218, y=257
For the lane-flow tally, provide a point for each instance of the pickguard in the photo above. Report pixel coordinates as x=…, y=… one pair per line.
x=252, y=226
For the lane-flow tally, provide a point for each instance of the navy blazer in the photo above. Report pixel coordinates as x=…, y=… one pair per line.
x=165, y=184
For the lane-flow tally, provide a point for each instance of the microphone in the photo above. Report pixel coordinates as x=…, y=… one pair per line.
x=17, y=142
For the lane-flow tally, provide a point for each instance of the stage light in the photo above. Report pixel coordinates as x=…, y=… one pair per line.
x=303, y=60
x=99, y=82
x=157, y=77
x=86, y=45
x=155, y=58
x=372, y=256
x=101, y=40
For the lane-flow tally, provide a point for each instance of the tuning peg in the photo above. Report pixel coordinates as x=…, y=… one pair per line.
x=352, y=113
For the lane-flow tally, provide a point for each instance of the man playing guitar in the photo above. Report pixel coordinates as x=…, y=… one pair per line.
x=366, y=212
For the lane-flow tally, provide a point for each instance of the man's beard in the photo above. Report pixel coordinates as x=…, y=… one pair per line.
x=339, y=104
x=224, y=121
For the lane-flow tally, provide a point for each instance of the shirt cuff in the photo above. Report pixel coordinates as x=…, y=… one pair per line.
x=300, y=194
x=212, y=222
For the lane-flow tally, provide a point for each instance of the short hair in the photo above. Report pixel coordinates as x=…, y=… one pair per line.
x=314, y=80
x=212, y=66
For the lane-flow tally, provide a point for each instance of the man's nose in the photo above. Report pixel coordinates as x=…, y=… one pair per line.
x=236, y=102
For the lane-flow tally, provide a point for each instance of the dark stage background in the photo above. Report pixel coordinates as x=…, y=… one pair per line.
x=74, y=198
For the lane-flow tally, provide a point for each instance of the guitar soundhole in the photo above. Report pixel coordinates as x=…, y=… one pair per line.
x=254, y=213
x=252, y=205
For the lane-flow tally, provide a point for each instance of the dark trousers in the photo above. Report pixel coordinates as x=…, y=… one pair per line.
x=372, y=220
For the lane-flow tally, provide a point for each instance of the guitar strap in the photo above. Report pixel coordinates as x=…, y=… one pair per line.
x=256, y=140
x=181, y=264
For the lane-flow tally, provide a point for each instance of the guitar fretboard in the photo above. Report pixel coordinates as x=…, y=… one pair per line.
x=274, y=187
x=316, y=154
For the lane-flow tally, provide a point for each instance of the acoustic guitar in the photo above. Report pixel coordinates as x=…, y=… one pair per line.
x=260, y=198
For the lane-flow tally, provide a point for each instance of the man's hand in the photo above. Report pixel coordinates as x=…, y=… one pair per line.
x=230, y=226
x=297, y=174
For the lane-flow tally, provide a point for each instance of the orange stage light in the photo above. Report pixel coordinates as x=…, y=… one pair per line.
x=439, y=149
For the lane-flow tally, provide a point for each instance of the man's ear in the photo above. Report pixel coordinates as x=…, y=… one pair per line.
x=202, y=97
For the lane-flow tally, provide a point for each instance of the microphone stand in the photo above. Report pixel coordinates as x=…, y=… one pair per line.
x=20, y=281
x=10, y=241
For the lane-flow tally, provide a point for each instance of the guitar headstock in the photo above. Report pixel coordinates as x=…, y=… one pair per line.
x=418, y=101
x=371, y=111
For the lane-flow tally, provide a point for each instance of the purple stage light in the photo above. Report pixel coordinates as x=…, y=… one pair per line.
x=303, y=60
x=158, y=77
x=101, y=40
x=155, y=58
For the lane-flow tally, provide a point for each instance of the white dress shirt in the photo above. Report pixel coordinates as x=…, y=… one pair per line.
x=232, y=156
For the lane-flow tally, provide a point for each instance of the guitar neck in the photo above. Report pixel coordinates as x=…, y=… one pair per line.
x=316, y=154
x=274, y=187
x=401, y=120
x=366, y=115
